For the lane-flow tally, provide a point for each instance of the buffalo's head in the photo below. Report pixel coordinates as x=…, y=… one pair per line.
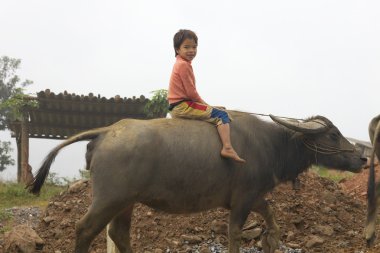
x=325, y=143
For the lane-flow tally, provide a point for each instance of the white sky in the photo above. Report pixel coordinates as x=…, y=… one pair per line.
x=289, y=58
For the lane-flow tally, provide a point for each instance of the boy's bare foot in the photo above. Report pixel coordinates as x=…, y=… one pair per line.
x=230, y=153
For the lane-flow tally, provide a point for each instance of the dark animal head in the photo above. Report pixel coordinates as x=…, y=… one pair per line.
x=372, y=195
x=326, y=145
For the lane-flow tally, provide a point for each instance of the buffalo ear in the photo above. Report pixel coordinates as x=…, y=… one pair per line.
x=309, y=127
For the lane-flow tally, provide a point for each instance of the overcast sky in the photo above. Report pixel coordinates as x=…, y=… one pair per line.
x=290, y=58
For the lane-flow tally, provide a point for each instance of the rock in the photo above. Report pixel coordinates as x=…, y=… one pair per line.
x=344, y=216
x=204, y=249
x=352, y=233
x=221, y=239
x=325, y=230
x=249, y=235
x=78, y=186
x=48, y=219
x=174, y=243
x=65, y=223
x=328, y=197
x=326, y=210
x=22, y=239
x=192, y=239
x=251, y=225
x=291, y=235
x=58, y=204
x=293, y=245
x=219, y=227
x=314, y=241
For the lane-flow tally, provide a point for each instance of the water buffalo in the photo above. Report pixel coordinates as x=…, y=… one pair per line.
x=174, y=165
x=373, y=192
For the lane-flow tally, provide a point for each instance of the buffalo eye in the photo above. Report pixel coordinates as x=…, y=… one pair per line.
x=334, y=136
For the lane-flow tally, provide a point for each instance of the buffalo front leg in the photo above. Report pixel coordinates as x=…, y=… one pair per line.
x=119, y=230
x=238, y=216
x=271, y=237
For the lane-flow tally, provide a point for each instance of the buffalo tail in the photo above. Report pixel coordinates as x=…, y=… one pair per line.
x=39, y=179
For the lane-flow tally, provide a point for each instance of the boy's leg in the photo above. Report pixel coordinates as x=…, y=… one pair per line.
x=220, y=118
x=227, y=150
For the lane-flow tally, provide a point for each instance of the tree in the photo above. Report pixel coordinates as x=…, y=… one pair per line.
x=11, y=102
x=158, y=104
x=10, y=86
x=5, y=158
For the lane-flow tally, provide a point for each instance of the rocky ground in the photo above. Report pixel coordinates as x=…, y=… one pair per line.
x=320, y=217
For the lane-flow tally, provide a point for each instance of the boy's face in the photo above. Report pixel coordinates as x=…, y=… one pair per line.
x=188, y=49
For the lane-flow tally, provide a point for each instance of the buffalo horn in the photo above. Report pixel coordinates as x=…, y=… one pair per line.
x=309, y=127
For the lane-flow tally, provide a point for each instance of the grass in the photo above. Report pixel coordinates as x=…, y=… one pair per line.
x=14, y=194
x=334, y=175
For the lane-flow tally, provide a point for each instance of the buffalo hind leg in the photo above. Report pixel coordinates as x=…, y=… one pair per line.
x=238, y=216
x=119, y=230
x=271, y=237
x=92, y=223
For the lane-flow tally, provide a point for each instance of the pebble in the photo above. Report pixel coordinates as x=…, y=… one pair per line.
x=25, y=215
x=218, y=248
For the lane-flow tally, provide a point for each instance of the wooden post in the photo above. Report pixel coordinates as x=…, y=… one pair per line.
x=24, y=149
x=111, y=247
x=18, y=143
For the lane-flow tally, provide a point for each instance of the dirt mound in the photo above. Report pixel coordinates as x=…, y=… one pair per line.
x=320, y=217
x=357, y=185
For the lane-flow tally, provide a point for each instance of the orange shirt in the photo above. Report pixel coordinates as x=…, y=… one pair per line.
x=182, y=82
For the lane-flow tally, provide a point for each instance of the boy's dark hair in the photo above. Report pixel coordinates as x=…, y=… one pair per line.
x=180, y=36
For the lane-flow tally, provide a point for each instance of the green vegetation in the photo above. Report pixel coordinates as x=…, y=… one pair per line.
x=15, y=194
x=158, y=105
x=12, y=102
x=333, y=175
x=5, y=155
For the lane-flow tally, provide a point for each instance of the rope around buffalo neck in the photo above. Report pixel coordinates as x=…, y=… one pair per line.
x=324, y=148
x=282, y=117
x=320, y=148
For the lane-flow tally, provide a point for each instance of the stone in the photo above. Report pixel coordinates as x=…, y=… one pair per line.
x=219, y=227
x=77, y=186
x=48, y=219
x=314, y=241
x=293, y=245
x=251, y=225
x=325, y=230
x=191, y=239
x=251, y=234
x=290, y=236
x=22, y=239
x=328, y=197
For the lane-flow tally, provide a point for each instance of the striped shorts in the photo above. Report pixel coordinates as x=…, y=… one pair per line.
x=194, y=110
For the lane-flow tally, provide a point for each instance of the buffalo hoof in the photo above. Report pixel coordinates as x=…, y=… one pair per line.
x=371, y=241
x=270, y=242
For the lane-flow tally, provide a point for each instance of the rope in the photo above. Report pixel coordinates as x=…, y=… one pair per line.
x=282, y=117
x=320, y=148
x=265, y=115
x=323, y=148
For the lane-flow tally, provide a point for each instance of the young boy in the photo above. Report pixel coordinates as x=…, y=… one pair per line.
x=184, y=100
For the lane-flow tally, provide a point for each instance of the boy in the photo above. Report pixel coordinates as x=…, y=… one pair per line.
x=184, y=100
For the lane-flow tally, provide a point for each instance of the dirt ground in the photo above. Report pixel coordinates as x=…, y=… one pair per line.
x=322, y=216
